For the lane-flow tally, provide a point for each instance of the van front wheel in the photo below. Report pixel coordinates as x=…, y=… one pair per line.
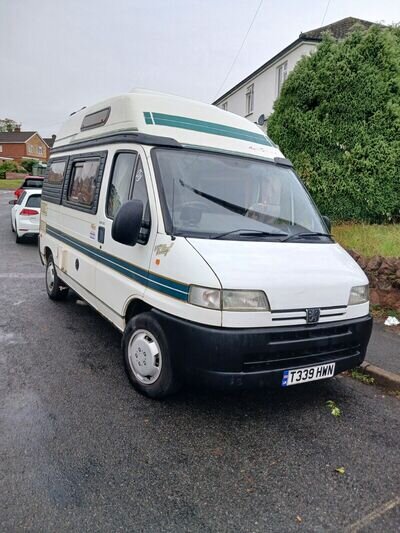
x=55, y=289
x=147, y=358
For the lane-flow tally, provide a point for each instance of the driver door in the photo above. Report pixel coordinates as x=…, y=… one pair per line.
x=122, y=270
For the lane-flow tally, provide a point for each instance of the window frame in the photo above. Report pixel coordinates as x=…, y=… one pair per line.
x=283, y=67
x=141, y=240
x=53, y=192
x=114, y=162
x=81, y=158
x=250, y=98
x=102, y=122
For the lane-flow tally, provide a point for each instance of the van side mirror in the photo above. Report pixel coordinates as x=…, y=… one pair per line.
x=12, y=202
x=127, y=222
x=328, y=224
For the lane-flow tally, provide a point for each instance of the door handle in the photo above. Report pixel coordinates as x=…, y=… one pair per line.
x=100, y=234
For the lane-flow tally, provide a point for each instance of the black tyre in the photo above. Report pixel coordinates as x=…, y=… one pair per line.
x=12, y=227
x=56, y=290
x=18, y=240
x=147, y=358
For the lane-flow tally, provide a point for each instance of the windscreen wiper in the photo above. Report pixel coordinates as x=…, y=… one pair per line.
x=306, y=234
x=250, y=233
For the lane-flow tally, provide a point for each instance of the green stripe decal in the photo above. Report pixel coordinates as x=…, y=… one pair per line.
x=173, y=121
x=148, y=279
x=147, y=118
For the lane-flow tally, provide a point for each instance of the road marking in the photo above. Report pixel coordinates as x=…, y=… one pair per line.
x=376, y=513
x=20, y=275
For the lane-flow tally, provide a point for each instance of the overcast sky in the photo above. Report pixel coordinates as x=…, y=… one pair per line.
x=59, y=55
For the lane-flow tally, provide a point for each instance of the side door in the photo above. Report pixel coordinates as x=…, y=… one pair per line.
x=122, y=271
x=77, y=226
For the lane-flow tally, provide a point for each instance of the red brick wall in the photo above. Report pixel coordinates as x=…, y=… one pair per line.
x=16, y=151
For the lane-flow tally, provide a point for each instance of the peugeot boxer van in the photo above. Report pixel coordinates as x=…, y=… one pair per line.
x=186, y=227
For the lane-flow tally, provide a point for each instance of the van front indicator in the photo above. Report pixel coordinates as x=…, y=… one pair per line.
x=359, y=295
x=228, y=300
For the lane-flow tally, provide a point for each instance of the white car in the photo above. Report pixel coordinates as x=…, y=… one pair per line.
x=25, y=214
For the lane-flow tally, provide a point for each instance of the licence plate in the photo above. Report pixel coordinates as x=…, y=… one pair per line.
x=310, y=373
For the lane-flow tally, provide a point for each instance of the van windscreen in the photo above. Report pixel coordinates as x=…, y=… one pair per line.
x=207, y=194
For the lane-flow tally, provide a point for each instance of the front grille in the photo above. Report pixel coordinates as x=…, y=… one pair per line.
x=288, y=315
x=304, y=347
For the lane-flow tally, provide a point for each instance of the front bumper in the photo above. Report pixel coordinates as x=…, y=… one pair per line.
x=241, y=358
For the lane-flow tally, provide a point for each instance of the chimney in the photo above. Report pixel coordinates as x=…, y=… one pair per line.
x=18, y=127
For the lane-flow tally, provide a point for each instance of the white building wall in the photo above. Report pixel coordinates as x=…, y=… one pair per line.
x=265, y=85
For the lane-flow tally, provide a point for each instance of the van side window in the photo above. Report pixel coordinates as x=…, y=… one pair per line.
x=140, y=193
x=118, y=193
x=56, y=172
x=82, y=186
x=54, y=181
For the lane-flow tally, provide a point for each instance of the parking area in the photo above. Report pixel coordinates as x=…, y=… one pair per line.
x=81, y=450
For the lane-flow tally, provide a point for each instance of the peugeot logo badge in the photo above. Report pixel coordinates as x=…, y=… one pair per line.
x=312, y=315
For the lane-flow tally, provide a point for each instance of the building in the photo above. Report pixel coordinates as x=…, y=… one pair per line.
x=49, y=141
x=255, y=95
x=19, y=145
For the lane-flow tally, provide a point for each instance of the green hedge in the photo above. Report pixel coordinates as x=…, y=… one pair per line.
x=10, y=166
x=338, y=120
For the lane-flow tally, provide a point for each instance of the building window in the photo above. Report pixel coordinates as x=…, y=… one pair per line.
x=30, y=149
x=250, y=99
x=225, y=106
x=40, y=150
x=83, y=183
x=1, y=147
x=282, y=74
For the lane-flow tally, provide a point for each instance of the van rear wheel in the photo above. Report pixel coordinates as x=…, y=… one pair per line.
x=147, y=357
x=55, y=288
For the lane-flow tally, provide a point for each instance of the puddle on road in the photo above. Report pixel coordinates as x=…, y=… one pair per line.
x=10, y=338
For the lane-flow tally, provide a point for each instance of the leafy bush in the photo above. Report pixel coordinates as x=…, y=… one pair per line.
x=28, y=164
x=10, y=166
x=338, y=120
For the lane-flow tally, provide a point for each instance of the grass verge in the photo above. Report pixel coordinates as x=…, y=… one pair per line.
x=370, y=239
x=10, y=184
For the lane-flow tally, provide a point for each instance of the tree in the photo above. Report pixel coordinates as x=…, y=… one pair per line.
x=338, y=120
x=7, y=124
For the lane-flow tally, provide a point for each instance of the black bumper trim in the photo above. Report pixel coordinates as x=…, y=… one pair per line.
x=256, y=357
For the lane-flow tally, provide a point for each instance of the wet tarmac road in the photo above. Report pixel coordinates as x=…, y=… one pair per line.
x=82, y=451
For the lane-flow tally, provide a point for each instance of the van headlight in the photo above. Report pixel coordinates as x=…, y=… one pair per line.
x=228, y=300
x=359, y=295
x=204, y=297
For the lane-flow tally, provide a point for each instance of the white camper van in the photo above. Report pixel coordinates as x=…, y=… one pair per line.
x=186, y=227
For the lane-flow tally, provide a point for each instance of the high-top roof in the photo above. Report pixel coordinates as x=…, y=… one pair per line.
x=188, y=122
